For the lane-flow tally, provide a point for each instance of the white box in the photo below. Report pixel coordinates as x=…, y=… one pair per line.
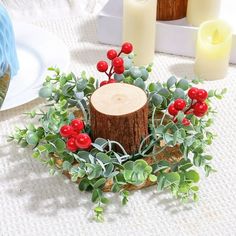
x=174, y=37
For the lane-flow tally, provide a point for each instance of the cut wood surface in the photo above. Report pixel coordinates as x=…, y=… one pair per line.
x=171, y=9
x=120, y=112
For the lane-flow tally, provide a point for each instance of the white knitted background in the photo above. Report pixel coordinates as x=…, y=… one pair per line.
x=33, y=203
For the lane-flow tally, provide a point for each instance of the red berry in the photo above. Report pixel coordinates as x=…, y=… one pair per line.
x=192, y=93
x=200, y=108
x=66, y=131
x=111, y=81
x=111, y=54
x=77, y=125
x=103, y=83
x=118, y=62
x=202, y=95
x=186, y=122
x=102, y=66
x=127, y=48
x=179, y=104
x=172, y=111
x=119, y=70
x=70, y=145
x=198, y=114
x=83, y=141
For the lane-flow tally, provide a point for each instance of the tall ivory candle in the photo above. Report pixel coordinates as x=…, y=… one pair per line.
x=213, y=50
x=199, y=11
x=139, y=24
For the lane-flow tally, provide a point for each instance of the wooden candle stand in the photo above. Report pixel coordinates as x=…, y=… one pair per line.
x=120, y=112
x=171, y=9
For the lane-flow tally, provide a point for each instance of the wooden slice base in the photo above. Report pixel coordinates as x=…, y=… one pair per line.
x=120, y=112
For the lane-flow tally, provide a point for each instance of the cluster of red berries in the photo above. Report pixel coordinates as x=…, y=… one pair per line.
x=75, y=139
x=117, y=63
x=198, y=106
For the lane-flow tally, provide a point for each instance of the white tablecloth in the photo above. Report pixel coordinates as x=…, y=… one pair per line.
x=33, y=203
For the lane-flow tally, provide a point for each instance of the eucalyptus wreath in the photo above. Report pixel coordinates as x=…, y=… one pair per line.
x=92, y=169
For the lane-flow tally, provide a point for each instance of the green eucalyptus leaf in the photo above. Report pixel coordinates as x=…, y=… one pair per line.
x=84, y=184
x=32, y=138
x=140, y=83
x=67, y=89
x=137, y=172
x=84, y=155
x=98, y=147
x=171, y=81
x=98, y=210
x=195, y=188
x=180, y=116
x=115, y=188
x=185, y=165
x=139, y=165
x=129, y=165
x=179, y=93
x=66, y=165
x=183, y=84
x=157, y=99
x=104, y=200
x=154, y=87
x=74, y=177
x=60, y=145
x=91, y=80
x=145, y=74
x=183, y=188
x=96, y=171
x=168, y=138
x=192, y=175
x=95, y=195
x=161, y=165
x=135, y=72
x=120, y=179
x=45, y=92
x=128, y=80
x=103, y=157
x=109, y=169
x=119, y=78
x=173, y=177
x=81, y=84
x=118, y=157
x=161, y=182
x=101, y=141
x=99, y=183
x=164, y=92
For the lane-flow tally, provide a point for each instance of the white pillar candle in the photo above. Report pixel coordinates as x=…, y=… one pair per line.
x=213, y=50
x=199, y=11
x=139, y=24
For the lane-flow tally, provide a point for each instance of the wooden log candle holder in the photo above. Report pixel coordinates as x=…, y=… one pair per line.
x=120, y=112
x=171, y=9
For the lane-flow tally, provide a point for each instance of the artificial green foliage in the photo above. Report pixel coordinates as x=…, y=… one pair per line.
x=137, y=172
x=91, y=169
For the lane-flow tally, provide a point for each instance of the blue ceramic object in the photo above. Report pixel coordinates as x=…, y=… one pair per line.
x=8, y=55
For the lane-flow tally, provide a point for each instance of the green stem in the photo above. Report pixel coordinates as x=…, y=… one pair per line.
x=122, y=148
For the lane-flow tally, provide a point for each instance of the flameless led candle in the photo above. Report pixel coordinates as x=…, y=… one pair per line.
x=199, y=11
x=139, y=24
x=213, y=50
